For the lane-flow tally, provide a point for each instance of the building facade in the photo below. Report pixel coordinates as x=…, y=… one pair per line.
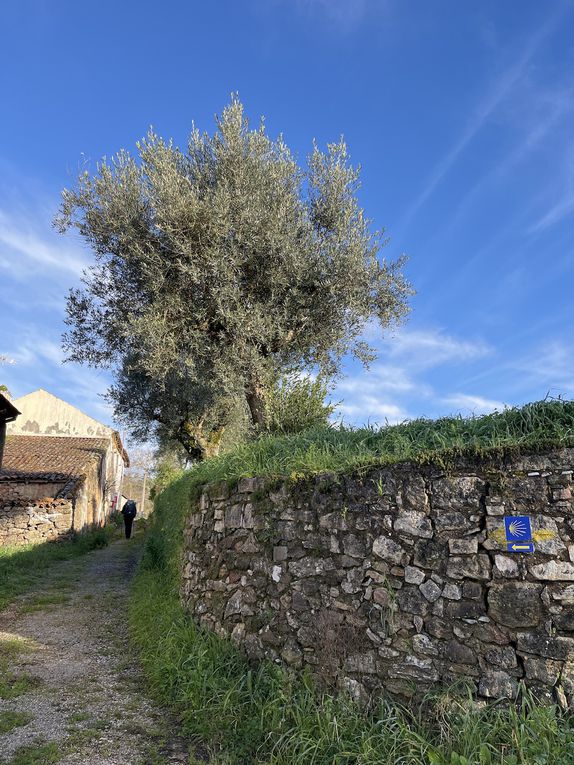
x=62, y=471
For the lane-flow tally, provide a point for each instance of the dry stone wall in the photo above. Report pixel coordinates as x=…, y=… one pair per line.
x=24, y=520
x=396, y=579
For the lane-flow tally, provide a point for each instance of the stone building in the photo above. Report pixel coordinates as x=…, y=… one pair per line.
x=62, y=471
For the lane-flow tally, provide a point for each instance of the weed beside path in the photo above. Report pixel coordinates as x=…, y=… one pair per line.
x=70, y=688
x=263, y=716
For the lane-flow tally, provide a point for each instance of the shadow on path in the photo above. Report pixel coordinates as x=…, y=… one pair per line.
x=71, y=673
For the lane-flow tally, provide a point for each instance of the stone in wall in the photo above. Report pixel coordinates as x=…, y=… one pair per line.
x=396, y=579
x=26, y=521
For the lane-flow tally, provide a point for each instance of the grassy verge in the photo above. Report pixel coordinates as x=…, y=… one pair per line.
x=13, y=684
x=22, y=567
x=263, y=716
x=541, y=425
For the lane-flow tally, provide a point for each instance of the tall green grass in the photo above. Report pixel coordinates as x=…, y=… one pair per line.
x=24, y=566
x=263, y=716
x=541, y=425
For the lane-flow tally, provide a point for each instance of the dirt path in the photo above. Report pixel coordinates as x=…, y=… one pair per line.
x=83, y=693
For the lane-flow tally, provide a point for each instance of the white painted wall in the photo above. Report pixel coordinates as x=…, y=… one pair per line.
x=47, y=415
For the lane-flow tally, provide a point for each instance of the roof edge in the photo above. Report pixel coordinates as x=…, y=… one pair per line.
x=117, y=440
x=8, y=412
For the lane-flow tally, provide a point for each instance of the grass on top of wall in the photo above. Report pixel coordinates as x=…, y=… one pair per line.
x=540, y=425
x=261, y=715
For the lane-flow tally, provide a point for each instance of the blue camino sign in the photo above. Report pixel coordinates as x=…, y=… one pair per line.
x=518, y=532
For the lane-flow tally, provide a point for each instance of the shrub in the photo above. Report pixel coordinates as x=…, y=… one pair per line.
x=298, y=404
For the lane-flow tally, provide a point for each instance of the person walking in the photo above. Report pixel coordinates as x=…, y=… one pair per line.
x=129, y=511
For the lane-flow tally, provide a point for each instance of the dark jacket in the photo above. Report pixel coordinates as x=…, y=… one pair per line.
x=129, y=510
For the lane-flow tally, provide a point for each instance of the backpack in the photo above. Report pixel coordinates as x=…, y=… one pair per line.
x=129, y=509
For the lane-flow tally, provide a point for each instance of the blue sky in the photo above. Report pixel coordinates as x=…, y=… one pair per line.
x=460, y=114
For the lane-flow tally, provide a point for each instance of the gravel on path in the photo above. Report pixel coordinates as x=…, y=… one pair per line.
x=86, y=693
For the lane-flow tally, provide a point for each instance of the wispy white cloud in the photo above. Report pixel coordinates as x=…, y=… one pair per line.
x=560, y=210
x=428, y=348
x=468, y=404
x=28, y=244
x=387, y=378
x=371, y=409
x=555, y=108
x=379, y=394
x=549, y=367
x=39, y=363
x=564, y=205
x=397, y=386
x=488, y=105
x=42, y=295
x=35, y=345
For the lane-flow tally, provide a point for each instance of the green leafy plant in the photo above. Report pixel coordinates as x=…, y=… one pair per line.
x=10, y=720
x=37, y=754
x=296, y=404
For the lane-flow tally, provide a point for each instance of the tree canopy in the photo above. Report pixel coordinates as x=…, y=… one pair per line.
x=219, y=267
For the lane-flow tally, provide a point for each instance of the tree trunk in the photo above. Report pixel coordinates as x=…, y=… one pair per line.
x=210, y=444
x=198, y=444
x=255, y=395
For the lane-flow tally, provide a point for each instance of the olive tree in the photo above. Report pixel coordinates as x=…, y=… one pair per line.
x=180, y=409
x=221, y=265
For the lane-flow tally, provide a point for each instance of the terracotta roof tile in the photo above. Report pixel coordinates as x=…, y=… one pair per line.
x=49, y=458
